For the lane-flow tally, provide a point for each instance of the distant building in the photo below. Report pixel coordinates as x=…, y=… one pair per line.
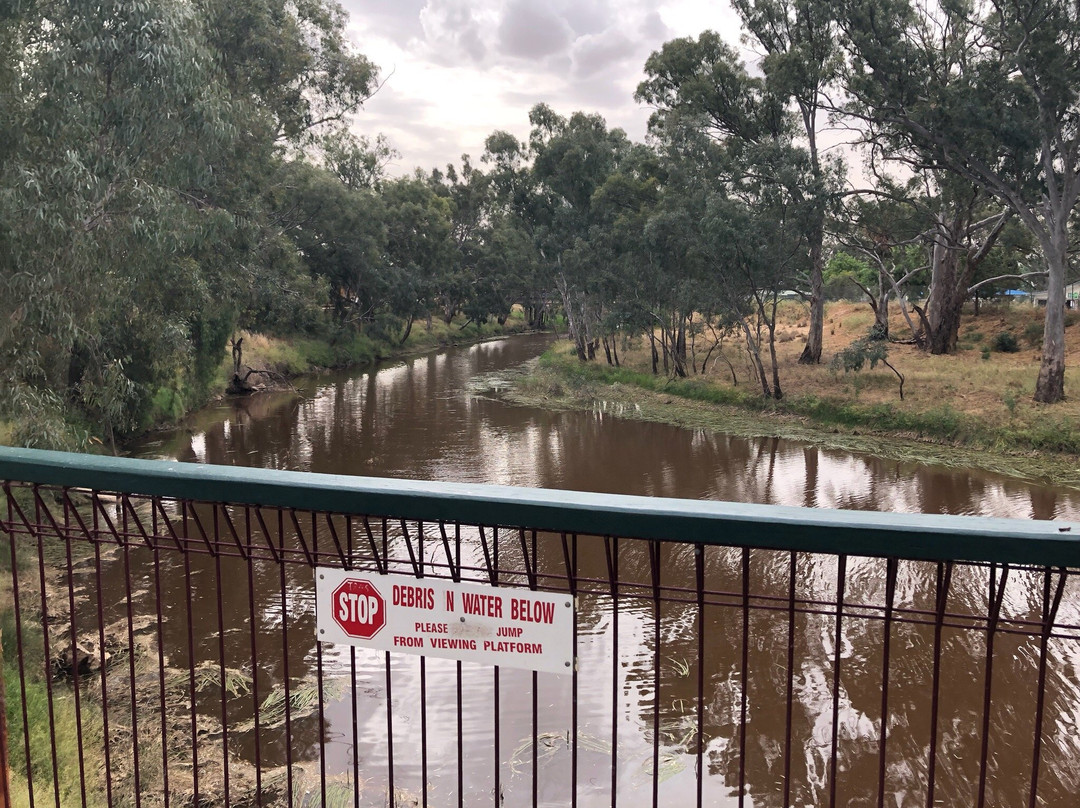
x=1072, y=296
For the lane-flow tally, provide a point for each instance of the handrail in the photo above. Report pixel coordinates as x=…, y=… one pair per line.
x=913, y=536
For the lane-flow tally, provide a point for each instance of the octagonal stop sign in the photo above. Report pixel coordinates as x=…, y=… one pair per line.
x=358, y=608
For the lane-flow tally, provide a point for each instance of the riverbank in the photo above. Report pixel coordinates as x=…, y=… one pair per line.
x=973, y=409
x=290, y=357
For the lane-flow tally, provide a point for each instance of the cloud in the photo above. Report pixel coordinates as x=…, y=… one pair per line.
x=532, y=30
x=393, y=19
x=454, y=30
x=595, y=53
x=463, y=68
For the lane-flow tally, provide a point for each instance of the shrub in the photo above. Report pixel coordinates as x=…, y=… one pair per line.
x=1005, y=342
x=1033, y=333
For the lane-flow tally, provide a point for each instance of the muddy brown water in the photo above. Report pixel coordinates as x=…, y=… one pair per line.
x=424, y=419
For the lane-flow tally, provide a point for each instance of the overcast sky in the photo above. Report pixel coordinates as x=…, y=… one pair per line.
x=456, y=70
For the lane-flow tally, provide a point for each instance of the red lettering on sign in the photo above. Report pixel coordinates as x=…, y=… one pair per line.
x=482, y=605
x=514, y=647
x=528, y=611
x=414, y=597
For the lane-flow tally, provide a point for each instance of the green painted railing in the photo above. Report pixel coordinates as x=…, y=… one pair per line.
x=913, y=536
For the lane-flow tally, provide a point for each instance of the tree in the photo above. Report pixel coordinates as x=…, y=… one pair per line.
x=572, y=158
x=103, y=209
x=991, y=92
x=802, y=60
x=733, y=137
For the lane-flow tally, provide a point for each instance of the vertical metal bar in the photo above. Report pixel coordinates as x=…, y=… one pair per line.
x=185, y=508
x=1049, y=615
x=221, y=653
x=352, y=681
x=944, y=577
x=17, y=608
x=744, y=673
x=319, y=663
x=107, y=740
x=995, y=597
x=457, y=676
x=535, y=686
x=76, y=687
x=654, y=569
x=891, y=569
x=253, y=634
x=699, y=578
x=160, y=659
x=5, y=763
x=392, y=794
x=570, y=559
x=612, y=552
x=494, y=572
x=47, y=655
x=423, y=684
x=841, y=580
x=355, y=729
x=131, y=663
x=789, y=694
x=285, y=654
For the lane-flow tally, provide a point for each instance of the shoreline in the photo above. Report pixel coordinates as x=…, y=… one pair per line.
x=556, y=382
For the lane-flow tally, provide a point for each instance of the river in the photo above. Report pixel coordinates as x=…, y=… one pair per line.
x=425, y=419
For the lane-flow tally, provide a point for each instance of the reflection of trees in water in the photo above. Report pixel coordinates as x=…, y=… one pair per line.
x=259, y=608
x=960, y=699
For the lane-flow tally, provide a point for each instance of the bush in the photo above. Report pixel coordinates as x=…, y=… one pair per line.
x=1005, y=343
x=1033, y=333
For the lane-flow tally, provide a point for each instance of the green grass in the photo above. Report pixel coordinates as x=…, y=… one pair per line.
x=562, y=379
x=37, y=718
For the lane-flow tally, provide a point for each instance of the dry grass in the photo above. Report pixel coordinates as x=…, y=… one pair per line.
x=956, y=408
x=997, y=390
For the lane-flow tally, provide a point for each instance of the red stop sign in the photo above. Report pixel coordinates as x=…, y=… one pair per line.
x=358, y=608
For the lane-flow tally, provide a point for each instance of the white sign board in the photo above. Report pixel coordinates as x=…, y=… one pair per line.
x=491, y=625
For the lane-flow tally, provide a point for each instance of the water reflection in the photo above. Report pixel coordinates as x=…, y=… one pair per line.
x=417, y=420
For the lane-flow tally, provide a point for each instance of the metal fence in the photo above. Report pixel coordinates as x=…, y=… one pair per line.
x=160, y=648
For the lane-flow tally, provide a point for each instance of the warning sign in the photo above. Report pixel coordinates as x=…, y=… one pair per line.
x=491, y=625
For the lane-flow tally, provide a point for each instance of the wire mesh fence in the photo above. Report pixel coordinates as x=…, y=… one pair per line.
x=162, y=650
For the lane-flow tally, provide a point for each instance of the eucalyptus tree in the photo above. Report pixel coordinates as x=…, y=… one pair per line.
x=572, y=158
x=102, y=296
x=419, y=247
x=702, y=84
x=755, y=235
x=802, y=60
x=733, y=139
x=887, y=233
x=340, y=234
x=991, y=92
x=469, y=195
x=512, y=266
x=142, y=147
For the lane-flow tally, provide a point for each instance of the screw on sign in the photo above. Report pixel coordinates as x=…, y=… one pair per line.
x=358, y=608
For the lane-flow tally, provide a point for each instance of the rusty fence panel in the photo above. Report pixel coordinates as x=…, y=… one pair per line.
x=161, y=650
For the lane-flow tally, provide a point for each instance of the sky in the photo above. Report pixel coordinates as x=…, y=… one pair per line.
x=454, y=71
